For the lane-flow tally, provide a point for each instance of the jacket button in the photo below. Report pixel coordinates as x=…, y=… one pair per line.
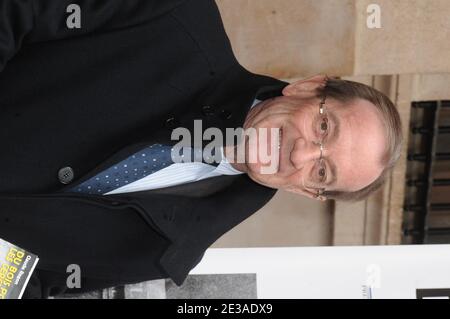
x=172, y=123
x=66, y=175
x=207, y=110
x=225, y=115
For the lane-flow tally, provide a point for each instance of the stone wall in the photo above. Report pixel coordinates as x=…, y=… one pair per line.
x=296, y=38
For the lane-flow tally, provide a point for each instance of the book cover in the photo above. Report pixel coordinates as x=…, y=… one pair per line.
x=16, y=267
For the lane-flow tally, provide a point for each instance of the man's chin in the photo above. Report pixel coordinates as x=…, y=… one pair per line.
x=263, y=170
x=264, y=179
x=264, y=164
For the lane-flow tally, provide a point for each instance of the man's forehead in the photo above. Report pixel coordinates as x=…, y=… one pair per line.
x=359, y=148
x=352, y=105
x=358, y=174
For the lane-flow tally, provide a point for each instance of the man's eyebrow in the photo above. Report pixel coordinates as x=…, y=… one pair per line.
x=336, y=126
x=333, y=170
x=334, y=137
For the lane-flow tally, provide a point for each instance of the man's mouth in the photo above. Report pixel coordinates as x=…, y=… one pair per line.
x=280, y=142
x=280, y=138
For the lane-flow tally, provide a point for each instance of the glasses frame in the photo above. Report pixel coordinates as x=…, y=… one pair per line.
x=322, y=112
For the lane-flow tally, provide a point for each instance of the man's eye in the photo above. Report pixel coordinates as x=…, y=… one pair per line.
x=323, y=126
x=320, y=173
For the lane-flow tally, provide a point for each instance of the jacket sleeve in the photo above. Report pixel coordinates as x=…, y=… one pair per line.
x=112, y=240
x=28, y=21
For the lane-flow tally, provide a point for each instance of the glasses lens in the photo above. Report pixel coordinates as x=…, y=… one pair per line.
x=318, y=173
x=323, y=127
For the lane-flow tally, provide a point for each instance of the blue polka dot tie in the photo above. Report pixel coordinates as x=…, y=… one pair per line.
x=139, y=165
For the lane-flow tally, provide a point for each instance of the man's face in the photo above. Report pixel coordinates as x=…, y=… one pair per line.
x=352, y=148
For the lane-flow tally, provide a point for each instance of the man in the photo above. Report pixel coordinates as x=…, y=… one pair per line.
x=80, y=106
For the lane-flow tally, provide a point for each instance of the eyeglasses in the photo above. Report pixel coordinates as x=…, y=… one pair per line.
x=319, y=171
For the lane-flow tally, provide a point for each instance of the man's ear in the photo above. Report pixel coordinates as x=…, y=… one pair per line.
x=305, y=88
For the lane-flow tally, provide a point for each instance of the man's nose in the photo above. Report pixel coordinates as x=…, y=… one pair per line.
x=303, y=152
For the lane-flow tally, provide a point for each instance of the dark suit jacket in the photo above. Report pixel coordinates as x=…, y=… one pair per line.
x=87, y=98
